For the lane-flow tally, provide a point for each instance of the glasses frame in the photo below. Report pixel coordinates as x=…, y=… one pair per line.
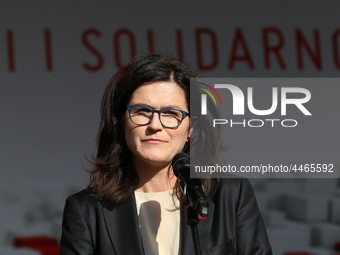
x=184, y=114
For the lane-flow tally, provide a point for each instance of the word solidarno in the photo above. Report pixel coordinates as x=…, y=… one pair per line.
x=103, y=47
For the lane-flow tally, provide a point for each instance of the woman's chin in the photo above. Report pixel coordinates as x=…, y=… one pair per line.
x=157, y=160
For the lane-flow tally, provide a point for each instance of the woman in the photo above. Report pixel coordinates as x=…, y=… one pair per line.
x=133, y=204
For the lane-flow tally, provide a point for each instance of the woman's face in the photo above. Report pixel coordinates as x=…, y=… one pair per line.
x=153, y=143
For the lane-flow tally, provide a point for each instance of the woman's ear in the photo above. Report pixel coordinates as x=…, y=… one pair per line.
x=193, y=121
x=189, y=134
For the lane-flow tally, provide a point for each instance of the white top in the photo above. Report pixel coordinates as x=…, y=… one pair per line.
x=159, y=222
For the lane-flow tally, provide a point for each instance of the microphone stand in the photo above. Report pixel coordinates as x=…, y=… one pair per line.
x=192, y=190
x=192, y=221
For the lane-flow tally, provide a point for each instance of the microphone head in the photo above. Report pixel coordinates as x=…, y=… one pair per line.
x=181, y=160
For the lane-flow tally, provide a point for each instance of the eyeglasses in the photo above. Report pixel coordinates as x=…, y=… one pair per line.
x=169, y=117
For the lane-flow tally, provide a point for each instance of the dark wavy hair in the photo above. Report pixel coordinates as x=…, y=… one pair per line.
x=113, y=176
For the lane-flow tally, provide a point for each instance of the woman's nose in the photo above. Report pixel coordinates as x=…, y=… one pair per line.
x=155, y=123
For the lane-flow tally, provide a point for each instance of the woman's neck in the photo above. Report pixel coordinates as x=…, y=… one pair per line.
x=155, y=178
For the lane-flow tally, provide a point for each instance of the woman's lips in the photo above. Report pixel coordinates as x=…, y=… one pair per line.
x=154, y=141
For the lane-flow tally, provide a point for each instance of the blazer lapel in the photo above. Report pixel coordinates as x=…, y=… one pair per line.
x=204, y=228
x=123, y=227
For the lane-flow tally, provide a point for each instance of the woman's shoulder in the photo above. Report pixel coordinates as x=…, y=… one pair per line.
x=233, y=187
x=234, y=182
x=235, y=194
x=82, y=198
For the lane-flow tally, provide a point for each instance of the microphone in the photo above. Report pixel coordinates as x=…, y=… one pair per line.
x=191, y=188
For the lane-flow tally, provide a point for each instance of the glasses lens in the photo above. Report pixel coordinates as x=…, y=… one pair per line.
x=140, y=115
x=171, y=118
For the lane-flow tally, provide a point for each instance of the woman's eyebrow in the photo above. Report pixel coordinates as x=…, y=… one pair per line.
x=163, y=107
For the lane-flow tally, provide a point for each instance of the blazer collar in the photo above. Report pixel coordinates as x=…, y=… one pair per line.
x=123, y=227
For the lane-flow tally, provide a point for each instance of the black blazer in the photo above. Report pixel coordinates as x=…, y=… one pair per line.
x=234, y=225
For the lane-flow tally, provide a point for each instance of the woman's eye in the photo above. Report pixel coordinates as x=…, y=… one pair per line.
x=142, y=110
x=172, y=113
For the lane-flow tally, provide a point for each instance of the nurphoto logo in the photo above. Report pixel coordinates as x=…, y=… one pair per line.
x=280, y=99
